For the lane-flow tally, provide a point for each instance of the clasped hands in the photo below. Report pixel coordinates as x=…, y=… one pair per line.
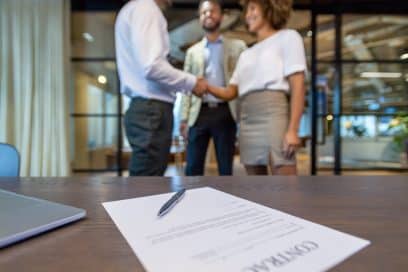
x=201, y=87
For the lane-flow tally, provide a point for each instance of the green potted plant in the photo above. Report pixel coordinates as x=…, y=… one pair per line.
x=399, y=126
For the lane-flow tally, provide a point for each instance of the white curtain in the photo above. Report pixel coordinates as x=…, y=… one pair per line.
x=34, y=47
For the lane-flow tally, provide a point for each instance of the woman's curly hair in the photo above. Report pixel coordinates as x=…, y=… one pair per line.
x=276, y=12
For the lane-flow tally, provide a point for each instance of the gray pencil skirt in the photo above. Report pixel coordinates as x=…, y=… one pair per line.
x=264, y=118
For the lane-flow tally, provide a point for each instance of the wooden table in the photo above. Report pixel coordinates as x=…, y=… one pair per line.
x=374, y=208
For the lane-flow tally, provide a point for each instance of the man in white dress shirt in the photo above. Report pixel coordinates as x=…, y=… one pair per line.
x=142, y=47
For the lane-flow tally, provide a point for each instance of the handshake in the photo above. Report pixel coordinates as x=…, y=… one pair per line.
x=201, y=87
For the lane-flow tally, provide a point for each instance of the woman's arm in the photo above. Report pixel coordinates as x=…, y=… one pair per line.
x=297, y=102
x=228, y=93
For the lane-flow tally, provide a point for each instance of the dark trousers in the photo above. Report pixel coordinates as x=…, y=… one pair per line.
x=149, y=125
x=218, y=124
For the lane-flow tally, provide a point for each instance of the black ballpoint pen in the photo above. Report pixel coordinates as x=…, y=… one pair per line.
x=171, y=202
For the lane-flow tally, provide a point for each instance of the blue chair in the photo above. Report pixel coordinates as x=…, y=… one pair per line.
x=9, y=161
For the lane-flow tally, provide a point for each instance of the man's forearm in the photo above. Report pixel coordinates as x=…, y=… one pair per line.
x=162, y=72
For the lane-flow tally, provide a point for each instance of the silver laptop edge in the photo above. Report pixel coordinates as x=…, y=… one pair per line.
x=48, y=224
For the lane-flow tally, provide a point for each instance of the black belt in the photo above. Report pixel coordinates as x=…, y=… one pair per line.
x=153, y=101
x=214, y=104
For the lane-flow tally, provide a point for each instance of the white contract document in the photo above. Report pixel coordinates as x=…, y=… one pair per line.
x=209, y=230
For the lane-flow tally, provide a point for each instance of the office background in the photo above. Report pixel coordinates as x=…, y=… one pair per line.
x=357, y=84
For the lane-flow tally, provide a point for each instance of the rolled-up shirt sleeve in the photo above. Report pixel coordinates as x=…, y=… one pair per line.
x=150, y=46
x=294, y=59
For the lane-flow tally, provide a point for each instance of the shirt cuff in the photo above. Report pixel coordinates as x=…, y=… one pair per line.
x=190, y=83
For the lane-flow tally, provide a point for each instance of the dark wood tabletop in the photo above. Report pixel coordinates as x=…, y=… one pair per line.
x=373, y=208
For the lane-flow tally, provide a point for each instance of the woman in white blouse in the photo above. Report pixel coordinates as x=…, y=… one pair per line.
x=265, y=76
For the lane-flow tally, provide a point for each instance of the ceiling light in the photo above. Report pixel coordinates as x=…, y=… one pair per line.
x=88, y=37
x=380, y=75
x=329, y=117
x=102, y=79
x=404, y=56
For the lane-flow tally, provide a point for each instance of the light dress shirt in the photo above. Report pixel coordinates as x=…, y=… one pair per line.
x=214, y=66
x=267, y=64
x=142, y=46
